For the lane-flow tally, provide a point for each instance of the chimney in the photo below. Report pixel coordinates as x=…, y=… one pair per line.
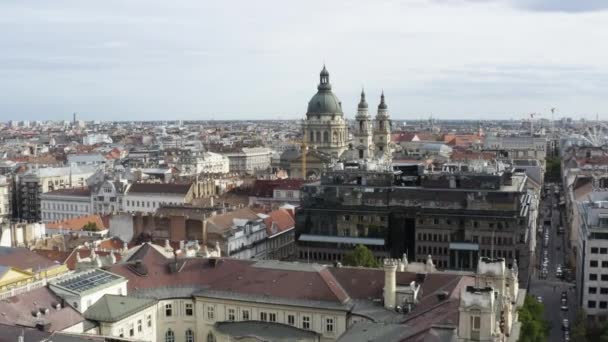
x=390, y=282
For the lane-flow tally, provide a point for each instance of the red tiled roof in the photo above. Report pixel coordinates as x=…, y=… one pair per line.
x=53, y=255
x=18, y=310
x=24, y=259
x=77, y=223
x=278, y=221
x=85, y=253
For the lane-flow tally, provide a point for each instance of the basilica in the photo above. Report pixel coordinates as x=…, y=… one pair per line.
x=327, y=141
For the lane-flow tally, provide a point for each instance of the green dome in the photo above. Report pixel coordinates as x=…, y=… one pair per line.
x=324, y=101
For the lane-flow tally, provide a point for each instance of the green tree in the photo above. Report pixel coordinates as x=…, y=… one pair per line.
x=534, y=328
x=90, y=227
x=579, y=328
x=360, y=256
x=553, y=169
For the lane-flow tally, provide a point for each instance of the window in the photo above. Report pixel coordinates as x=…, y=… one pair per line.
x=603, y=250
x=592, y=263
x=132, y=330
x=189, y=310
x=149, y=321
x=231, y=315
x=291, y=319
x=475, y=323
x=245, y=315
x=592, y=290
x=272, y=317
x=435, y=221
x=263, y=316
x=139, y=325
x=593, y=250
x=591, y=304
x=603, y=290
x=329, y=325
x=169, y=336
x=604, y=277
x=210, y=337
x=603, y=305
x=189, y=335
x=210, y=312
x=306, y=322
x=121, y=332
x=592, y=276
x=168, y=310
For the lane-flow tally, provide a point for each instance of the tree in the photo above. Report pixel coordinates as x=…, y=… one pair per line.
x=534, y=328
x=579, y=328
x=360, y=256
x=553, y=169
x=90, y=227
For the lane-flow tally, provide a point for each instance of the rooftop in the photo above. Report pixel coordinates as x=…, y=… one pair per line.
x=113, y=308
x=84, y=282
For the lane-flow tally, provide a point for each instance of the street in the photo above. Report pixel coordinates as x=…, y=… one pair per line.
x=550, y=289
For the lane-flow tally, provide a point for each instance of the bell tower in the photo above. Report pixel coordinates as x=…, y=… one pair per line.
x=363, y=135
x=382, y=131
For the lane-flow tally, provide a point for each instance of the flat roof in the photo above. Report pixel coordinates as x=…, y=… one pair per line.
x=464, y=246
x=85, y=281
x=342, y=239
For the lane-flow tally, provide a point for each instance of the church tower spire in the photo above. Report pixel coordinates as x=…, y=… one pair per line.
x=382, y=132
x=363, y=132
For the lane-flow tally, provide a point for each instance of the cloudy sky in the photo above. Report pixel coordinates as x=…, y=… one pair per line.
x=193, y=59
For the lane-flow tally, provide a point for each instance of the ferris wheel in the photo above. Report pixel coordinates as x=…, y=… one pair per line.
x=596, y=135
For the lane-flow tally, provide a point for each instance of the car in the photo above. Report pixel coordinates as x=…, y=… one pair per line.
x=565, y=325
x=539, y=299
x=564, y=294
x=566, y=336
x=564, y=305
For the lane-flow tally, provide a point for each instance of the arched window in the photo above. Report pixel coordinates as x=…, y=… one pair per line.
x=210, y=337
x=361, y=125
x=335, y=137
x=326, y=136
x=169, y=336
x=312, y=136
x=189, y=335
x=318, y=136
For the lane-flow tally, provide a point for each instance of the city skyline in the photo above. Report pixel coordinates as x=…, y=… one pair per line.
x=450, y=59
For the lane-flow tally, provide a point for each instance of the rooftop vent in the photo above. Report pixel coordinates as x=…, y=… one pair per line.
x=442, y=295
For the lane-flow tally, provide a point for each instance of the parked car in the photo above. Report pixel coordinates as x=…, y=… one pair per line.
x=564, y=305
x=565, y=324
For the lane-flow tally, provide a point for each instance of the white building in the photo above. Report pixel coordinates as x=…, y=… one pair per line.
x=125, y=317
x=108, y=197
x=147, y=197
x=83, y=289
x=240, y=234
x=518, y=147
x=38, y=181
x=96, y=138
x=249, y=160
x=65, y=203
x=5, y=199
x=592, y=259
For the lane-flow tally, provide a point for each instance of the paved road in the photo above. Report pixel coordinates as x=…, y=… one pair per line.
x=550, y=289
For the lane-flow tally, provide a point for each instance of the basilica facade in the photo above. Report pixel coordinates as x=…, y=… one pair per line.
x=325, y=128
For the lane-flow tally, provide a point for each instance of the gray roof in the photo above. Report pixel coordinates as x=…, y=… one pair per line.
x=86, y=158
x=265, y=331
x=113, y=308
